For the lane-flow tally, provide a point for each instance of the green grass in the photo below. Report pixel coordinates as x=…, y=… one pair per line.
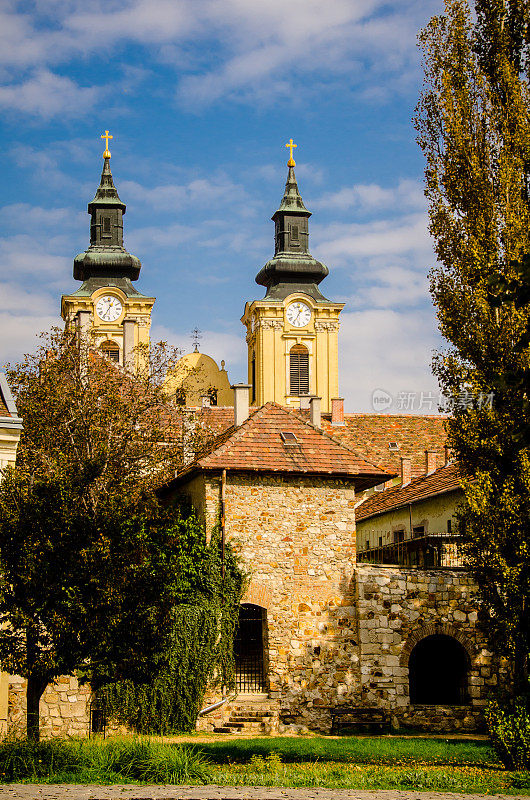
x=346, y=763
x=352, y=749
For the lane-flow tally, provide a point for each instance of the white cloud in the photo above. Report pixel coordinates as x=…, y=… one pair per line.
x=202, y=192
x=29, y=311
x=46, y=95
x=408, y=194
x=220, y=48
x=340, y=243
x=388, y=350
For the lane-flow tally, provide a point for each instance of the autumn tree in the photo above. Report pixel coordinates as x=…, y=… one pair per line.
x=93, y=569
x=474, y=129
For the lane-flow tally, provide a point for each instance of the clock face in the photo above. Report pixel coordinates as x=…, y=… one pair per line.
x=108, y=308
x=298, y=314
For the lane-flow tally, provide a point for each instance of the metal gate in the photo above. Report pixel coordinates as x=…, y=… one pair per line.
x=249, y=647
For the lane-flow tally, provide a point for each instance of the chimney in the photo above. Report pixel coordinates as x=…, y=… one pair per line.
x=430, y=461
x=241, y=398
x=314, y=412
x=406, y=471
x=337, y=410
x=447, y=455
x=205, y=401
x=305, y=401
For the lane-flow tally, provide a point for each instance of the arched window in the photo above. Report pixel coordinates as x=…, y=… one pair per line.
x=111, y=350
x=299, y=370
x=438, y=672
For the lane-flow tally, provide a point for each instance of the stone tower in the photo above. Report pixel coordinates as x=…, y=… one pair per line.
x=106, y=307
x=292, y=334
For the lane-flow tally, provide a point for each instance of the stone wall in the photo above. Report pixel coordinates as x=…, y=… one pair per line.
x=296, y=537
x=64, y=708
x=397, y=608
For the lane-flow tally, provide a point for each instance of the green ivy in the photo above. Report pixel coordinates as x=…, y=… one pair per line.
x=205, y=619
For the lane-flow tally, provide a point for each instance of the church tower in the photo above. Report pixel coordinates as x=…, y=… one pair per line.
x=106, y=307
x=292, y=334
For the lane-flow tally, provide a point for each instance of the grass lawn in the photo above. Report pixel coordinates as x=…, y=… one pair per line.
x=339, y=763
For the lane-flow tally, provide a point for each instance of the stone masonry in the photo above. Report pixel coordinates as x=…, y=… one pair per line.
x=64, y=708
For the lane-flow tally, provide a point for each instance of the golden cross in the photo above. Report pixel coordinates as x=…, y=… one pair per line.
x=108, y=136
x=291, y=162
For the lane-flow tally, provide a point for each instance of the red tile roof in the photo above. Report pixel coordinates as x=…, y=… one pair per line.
x=257, y=445
x=371, y=435
x=445, y=479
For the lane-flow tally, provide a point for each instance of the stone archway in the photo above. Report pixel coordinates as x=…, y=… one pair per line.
x=438, y=659
x=439, y=672
x=431, y=630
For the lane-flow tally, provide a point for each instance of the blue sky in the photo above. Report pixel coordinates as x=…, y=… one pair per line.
x=201, y=96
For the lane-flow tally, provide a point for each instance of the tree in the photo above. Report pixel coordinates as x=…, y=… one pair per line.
x=474, y=129
x=92, y=568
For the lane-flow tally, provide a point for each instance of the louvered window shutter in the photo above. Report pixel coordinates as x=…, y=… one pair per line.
x=299, y=370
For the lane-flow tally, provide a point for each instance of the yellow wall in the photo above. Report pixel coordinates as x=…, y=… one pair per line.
x=136, y=309
x=270, y=337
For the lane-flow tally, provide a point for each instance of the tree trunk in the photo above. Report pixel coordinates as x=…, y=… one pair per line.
x=36, y=687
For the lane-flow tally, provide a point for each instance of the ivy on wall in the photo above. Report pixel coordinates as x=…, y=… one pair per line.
x=205, y=619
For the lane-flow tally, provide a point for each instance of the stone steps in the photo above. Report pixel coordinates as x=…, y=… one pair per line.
x=252, y=716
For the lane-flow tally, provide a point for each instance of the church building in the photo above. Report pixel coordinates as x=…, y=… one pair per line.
x=330, y=632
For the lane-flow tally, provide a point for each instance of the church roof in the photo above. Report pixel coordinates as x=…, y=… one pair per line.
x=273, y=440
x=386, y=438
x=445, y=479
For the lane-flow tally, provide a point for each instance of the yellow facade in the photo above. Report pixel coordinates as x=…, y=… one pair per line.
x=196, y=378
x=270, y=337
x=129, y=331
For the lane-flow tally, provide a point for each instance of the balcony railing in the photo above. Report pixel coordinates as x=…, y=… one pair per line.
x=433, y=551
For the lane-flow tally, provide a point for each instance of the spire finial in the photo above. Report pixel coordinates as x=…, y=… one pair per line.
x=108, y=136
x=290, y=145
x=196, y=336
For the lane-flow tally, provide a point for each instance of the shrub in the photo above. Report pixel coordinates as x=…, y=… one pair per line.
x=509, y=730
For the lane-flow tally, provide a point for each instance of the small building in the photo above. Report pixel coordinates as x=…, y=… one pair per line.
x=288, y=491
x=413, y=524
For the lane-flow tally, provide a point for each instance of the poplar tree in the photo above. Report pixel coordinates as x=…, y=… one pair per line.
x=473, y=127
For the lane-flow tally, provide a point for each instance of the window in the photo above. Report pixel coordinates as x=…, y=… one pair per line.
x=418, y=530
x=106, y=225
x=295, y=235
x=449, y=525
x=399, y=536
x=380, y=541
x=299, y=370
x=367, y=544
x=253, y=365
x=393, y=446
x=111, y=350
x=289, y=438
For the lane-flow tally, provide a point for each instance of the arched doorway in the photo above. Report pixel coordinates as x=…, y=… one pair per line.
x=249, y=648
x=438, y=672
